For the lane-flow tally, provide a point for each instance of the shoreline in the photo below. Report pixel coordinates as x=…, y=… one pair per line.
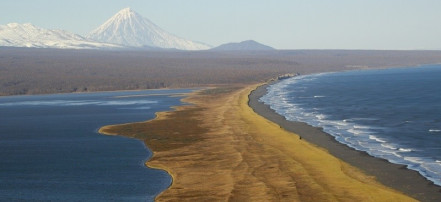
x=196, y=87
x=392, y=175
x=219, y=149
x=158, y=116
x=100, y=91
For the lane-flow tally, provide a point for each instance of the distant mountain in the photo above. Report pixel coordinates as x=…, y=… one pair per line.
x=249, y=45
x=28, y=35
x=128, y=28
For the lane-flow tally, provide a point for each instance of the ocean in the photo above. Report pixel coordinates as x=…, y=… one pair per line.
x=394, y=114
x=50, y=149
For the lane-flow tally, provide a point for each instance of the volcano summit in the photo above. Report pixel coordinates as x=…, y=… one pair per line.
x=129, y=28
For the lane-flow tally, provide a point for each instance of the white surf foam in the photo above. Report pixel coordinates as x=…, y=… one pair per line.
x=404, y=150
x=356, y=132
x=350, y=132
x=389, y=146
x=373, y=137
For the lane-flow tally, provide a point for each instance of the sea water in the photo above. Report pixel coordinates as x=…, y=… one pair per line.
x=394, y=114
x=50, y=149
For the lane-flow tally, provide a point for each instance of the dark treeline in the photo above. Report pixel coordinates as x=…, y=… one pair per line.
x=42, y=71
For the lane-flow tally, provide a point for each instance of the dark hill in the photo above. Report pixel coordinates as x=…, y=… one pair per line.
x=249, y=45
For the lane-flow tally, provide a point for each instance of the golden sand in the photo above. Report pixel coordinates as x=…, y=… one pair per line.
x=219, y=149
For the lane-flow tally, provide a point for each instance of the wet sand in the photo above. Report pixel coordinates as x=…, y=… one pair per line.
x=219, y=149
x=392, y=175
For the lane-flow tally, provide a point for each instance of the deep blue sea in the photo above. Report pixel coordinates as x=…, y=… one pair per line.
x=50, y=149
x=393, y=114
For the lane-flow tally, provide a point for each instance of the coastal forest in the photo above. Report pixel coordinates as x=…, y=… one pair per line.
x=43, y=71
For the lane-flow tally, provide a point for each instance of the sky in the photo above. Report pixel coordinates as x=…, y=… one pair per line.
x=282, y=24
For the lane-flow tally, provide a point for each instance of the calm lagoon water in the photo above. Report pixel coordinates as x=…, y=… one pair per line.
x=393, y=114
x=50, y=148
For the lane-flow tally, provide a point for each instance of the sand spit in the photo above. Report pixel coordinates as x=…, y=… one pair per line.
x=219, y=149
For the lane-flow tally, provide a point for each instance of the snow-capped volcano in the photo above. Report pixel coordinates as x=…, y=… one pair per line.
x=28, y=35
x=124, y=30
x=128, y=28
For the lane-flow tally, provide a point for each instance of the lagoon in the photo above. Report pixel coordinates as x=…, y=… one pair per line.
x=50, y=148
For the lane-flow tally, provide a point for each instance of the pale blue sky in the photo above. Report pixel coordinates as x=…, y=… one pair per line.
x=283, y=24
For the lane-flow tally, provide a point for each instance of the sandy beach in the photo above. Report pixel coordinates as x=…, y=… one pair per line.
x=219, y=149
x=392, y=175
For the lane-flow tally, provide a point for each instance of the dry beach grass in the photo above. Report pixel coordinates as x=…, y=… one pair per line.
x=219, y=149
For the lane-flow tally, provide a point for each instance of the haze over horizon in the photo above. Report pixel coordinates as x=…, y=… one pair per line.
x=342, y=24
